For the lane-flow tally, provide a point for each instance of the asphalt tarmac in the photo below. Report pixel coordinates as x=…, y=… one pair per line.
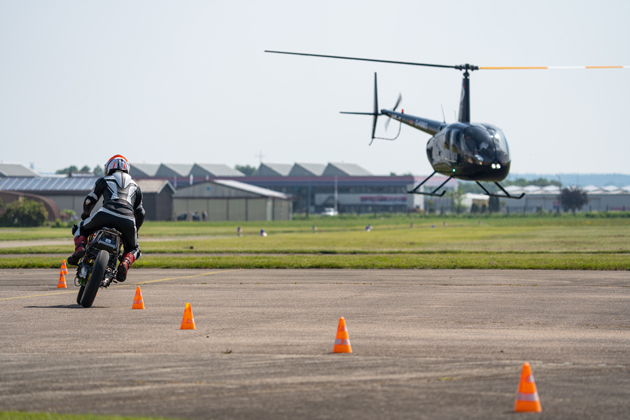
x=427, y=344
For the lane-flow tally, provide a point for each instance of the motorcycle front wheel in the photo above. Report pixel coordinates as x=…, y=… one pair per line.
x=94, y=282
x=80, y=294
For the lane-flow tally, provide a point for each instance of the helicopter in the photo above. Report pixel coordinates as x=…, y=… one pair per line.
x=462, y=150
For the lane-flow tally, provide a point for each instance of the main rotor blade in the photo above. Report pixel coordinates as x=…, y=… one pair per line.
x=554, y=68
x=458, y=67
x=366, y=59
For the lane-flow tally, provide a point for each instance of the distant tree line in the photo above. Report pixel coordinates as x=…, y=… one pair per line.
x=98, y=170
x=246, y=169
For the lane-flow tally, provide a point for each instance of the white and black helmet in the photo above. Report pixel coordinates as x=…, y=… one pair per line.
x=117, y=163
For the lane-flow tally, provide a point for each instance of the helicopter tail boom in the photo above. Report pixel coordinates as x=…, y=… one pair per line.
x=423, y=124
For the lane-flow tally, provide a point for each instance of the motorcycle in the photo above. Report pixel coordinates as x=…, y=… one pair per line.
x=98, y=266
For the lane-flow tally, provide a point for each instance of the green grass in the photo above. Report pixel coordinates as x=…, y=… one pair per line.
x=456, y=236
x=20, y=415
x=562, y=242
x=404, y=239
x=329, y=224
x=370, y=261
x=29, y=234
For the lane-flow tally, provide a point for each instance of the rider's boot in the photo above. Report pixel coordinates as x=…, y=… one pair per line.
x=123, y=267
x=79, y=250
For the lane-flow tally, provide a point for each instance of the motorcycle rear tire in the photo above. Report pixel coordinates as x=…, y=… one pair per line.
x=96, y=277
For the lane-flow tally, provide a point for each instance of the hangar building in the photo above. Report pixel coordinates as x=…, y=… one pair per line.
x=315, y=187
x=312, y=186
x=68, y=192
x=222, y=200
x=609, y=198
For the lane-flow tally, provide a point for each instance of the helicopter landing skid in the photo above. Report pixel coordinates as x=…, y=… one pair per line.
x=507, y=194
x=432, y=193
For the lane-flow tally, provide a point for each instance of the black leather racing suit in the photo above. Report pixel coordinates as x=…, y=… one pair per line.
x=122, y=209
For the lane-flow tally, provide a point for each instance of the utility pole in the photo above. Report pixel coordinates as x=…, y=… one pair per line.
x=308, y=200
x=336, y=194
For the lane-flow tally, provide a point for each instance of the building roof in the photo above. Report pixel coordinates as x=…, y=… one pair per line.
x=531, y=189
x=220, y=170
x=474, y=196
x=345, y=169
x=214, y=170
x=174, y=169
x=408, y=181
x=228, y=188
x=514, y=189
x=16, y=170
x=250, y=188
x=591, y=188
x=307, y=169
x=273, y=169
x=49, y=183
x=72, y=184
x=551, y=189
x=143, y=169
x=555, y=190
x=154, y=185
x=611, y=189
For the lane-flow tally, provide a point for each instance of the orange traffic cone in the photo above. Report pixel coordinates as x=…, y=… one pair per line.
x=342, y=341
x=64, y=268
x=527, y=397
x=188, y=322
x=138, y=303
x=62, y=281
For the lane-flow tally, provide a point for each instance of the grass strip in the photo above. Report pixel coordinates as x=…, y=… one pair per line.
x=21, y=415
x=373, y=261
x=64, y=252
x=342, y=223
x=553, y=239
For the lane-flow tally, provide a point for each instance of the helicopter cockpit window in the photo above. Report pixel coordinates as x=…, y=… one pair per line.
x=500, y=142
x=452, y=140
x=477, y=145
x=500, y=138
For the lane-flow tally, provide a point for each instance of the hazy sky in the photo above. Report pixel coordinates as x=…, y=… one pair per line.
x=187, y=81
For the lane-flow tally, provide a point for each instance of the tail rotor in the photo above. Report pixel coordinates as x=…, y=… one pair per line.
x=398, y=101
x=374, y=114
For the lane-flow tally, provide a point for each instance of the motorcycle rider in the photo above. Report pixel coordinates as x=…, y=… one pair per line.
x=122, y=210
